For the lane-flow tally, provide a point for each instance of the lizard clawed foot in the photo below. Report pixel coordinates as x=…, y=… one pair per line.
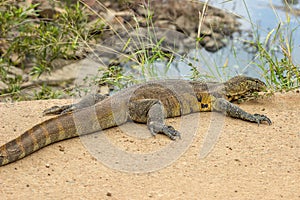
x=86, y=101
x=164, y=129
x=260, y=118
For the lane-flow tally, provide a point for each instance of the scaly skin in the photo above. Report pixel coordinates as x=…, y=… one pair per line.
x=147, y=103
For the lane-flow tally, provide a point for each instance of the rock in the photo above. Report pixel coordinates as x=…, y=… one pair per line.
x=48, y=9
x=205, y=30
x=172, y=14
x=214, y=45
x=3, y=86
x=185, y=24
x=205, y=40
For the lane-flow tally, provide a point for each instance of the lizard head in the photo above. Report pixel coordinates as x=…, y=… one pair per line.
x=243, y=87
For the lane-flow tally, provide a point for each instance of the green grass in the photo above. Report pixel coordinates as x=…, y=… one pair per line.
x=42, y=41
x=274, y=54
x=24, y=36
x=278, y=66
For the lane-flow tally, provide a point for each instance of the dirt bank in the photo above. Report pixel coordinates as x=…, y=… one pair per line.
x=247, y=161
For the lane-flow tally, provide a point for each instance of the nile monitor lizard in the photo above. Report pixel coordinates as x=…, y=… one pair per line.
x=147, y=103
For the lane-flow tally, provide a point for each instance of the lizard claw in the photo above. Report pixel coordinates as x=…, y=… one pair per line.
x=260, y=118
x=164, y=129
x=171, y=132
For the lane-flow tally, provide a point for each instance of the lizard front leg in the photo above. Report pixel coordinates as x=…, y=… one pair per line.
x=87, y=101
x=234, y=111
x=151, y=111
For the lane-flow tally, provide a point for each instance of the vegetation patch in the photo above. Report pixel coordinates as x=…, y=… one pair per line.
x=36, y=40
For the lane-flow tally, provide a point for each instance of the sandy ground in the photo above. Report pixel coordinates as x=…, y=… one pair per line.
x=247, y=161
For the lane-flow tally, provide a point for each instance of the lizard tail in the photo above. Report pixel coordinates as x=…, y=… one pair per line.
x=39, y=136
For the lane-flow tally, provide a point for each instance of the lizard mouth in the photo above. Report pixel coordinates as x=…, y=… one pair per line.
x=251, y=95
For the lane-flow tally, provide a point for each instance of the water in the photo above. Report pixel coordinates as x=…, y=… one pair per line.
x=260, y=15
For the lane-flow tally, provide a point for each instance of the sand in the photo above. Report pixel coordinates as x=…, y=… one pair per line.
x=247, y=161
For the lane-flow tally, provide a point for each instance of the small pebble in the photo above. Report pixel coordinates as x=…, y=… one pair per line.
x=108, y=194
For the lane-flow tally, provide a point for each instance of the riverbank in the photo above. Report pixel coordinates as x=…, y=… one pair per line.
x=247, y=161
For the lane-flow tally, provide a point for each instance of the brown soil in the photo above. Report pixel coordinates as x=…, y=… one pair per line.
x=247, y=161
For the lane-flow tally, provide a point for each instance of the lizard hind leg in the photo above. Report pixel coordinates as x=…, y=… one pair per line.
x=151, y=111
x=87, y=101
